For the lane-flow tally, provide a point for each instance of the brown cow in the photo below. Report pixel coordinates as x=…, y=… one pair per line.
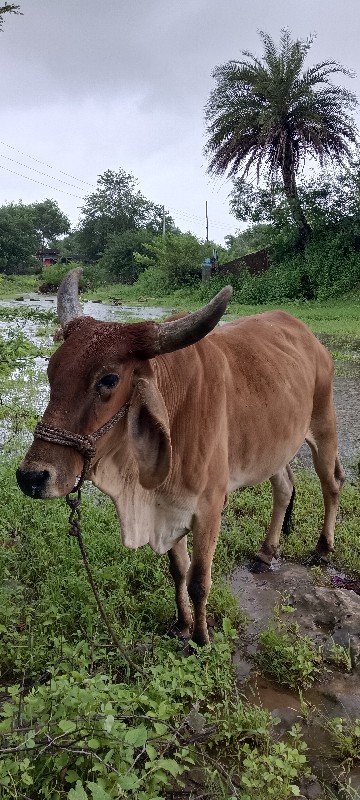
x=201, y=415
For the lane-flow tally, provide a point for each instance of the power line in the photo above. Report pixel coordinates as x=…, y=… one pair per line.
x=50, y=166
x=33, y=169
x=185, y=215
x=54, y=188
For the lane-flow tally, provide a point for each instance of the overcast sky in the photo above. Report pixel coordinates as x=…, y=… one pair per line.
x=88, y=86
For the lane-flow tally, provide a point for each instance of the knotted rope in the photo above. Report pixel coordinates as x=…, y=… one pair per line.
x=86, y=446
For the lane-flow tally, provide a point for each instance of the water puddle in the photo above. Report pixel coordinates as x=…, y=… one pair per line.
x=106, y=312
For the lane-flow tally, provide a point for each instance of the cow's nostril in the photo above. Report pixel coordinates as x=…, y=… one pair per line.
x=31, y=482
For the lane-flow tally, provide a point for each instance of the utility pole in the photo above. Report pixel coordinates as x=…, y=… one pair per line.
x=163, y=221
x=206, y=221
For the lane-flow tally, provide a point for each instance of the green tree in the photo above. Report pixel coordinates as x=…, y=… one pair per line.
x=118, y=261
x=271, y=114
x=48, y=221
x=255, y=238
x=116, y=206
x=328, y=198
x=18, y=239
x=8, y=8
x=176, y=258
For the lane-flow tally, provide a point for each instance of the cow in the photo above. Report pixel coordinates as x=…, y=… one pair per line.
x=180, y=413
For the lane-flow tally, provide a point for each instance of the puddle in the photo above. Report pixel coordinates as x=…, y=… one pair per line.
x=105, y=312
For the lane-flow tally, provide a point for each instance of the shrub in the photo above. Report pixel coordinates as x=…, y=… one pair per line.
x=92, y=276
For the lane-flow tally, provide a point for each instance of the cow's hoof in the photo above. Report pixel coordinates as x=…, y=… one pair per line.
x=316, y=559
x=200, y=638
x=259, y=564
x=181, y=633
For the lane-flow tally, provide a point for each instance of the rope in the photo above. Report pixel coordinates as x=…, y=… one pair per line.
x=75, y=530
x=86, y=446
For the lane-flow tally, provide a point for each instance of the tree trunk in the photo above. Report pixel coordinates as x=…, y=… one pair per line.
x=292, y=197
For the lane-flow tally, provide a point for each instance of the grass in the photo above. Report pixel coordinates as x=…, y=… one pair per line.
x=288, y=656
x=336, y=317
x=12, y=286
x=72, y=699
x=339, y=317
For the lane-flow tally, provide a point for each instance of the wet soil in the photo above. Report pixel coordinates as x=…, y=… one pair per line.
x=327, y=615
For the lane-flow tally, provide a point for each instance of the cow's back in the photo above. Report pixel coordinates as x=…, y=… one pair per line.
x=244, y=394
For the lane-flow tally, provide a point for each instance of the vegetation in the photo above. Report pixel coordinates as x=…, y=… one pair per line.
x=8, y=8
x=272, y=114
x=75, y=720
x=286, y=654
x=24, y=230
x=116, y=207
x=345, y=735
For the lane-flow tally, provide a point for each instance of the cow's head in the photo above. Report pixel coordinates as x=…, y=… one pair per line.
x=99, y=368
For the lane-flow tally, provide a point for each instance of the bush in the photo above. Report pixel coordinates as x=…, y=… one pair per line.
x=152, y=282
x=118, y=261
x=92, y=276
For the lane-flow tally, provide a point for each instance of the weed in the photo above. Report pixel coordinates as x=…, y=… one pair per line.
x=345, y=736
x=319, y=576
x=274, y=774
x=340, y=656
x=288, y=656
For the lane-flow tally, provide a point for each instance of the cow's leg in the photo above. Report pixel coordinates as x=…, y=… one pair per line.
x=205, y=530
x=282, y=484
x=322, y=439
x=179, y=563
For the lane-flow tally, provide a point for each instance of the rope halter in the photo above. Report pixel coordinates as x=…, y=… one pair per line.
x=84, y=444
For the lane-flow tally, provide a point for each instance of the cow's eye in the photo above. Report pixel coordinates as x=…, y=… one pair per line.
x=109, y=381
x=105, y=385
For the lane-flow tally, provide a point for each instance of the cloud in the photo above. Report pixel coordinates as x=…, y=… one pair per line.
x=89, y=86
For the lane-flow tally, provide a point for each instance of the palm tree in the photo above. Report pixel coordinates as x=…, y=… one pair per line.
x=271, y=113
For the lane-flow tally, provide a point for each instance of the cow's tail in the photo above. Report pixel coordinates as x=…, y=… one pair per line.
x=287, y=524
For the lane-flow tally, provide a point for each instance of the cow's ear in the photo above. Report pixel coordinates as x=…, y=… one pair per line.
x=149, y=433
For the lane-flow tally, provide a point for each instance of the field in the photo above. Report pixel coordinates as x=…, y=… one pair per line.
x=77, y=721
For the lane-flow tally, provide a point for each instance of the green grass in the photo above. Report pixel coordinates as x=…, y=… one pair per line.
x=249, y=512
x=337, y=317
x=77, y=684
x=12, y=286
x=50, y=630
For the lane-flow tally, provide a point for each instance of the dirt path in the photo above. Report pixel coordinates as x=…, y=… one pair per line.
x=347, y=405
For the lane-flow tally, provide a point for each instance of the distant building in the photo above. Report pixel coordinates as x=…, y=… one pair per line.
x=48, y=257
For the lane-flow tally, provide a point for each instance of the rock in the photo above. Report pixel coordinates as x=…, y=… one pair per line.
x=311, y=789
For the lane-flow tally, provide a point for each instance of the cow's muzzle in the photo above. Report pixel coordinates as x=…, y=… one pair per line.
x=33, y=482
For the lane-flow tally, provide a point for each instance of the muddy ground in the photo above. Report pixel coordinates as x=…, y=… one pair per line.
x=326, y=614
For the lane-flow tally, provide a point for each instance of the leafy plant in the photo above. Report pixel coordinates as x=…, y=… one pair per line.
x=275, y=773
x=287, y=655
x=340, y=656
x=345, y=736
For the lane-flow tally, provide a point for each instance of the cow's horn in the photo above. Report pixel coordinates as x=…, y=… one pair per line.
x=68, y=306
x=192, y=327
